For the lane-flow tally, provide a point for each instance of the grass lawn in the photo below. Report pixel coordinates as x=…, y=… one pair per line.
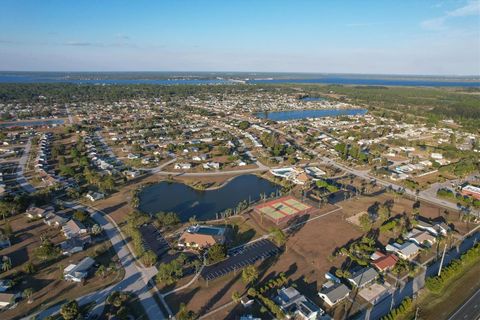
x=433, y=306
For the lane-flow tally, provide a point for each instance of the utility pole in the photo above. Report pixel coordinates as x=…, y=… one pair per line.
x=441, y=262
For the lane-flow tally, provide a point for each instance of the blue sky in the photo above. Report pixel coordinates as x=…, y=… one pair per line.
x=381, y=37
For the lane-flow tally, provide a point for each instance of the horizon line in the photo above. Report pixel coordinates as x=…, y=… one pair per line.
x=273, y=72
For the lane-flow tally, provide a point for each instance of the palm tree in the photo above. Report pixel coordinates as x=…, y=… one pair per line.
x=6, y=264
x=27, y=294
x=249, y=274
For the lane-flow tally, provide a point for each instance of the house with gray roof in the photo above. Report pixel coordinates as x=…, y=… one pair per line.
x=334, y=293
x=363, y=277
x=296, y=305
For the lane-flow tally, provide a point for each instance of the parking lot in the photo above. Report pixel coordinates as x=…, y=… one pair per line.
x=153, y=240
x=241, y=257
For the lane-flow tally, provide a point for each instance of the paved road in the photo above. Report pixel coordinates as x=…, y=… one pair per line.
x=70, y=119
x=135, y=279
x=470, y=309
x=427, y=196
x=260, y=168
x=21, y=168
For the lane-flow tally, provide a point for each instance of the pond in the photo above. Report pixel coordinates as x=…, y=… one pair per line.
x=304, y=114
x=312, y=99
x=187, y=202
x=34, y=123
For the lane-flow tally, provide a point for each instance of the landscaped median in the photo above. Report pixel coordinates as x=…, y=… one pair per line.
x=454, y=270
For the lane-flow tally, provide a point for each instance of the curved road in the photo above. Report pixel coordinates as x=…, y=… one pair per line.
x=135, y=280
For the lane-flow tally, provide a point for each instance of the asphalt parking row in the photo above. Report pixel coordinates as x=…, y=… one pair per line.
x=153, y=240
x=240, y=258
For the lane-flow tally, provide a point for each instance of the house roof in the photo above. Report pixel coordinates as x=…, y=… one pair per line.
x=364, y=276
x=286, y=295
x=336, y=292
x=385, y=262
x=84, y=265
x=202, y=240
x=73, y=226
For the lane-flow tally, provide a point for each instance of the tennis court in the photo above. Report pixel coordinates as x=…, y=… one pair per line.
x=282, y=209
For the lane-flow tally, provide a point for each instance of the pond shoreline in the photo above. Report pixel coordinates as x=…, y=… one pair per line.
x=205, y=204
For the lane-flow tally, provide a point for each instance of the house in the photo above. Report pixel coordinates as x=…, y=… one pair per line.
x=211, y=165
x=249, y=317
x=363, y=277
x=421, y=237
x=75, y=244
x=296, y=305
x=436, y=156
x=201, y=157
x=73, y=228
x=4, y=241
x=7, y=299
x=384, y=261
x=407, y=250
x=314, y=172
x=333, y=293
x=201, y=237
x=34, y=212
x=301, y=178
x=5, y=285
x=78, y=272
x=131, y=174
x=94, y=196
x=435, y=228
x=471, y=191
x=182, y=166
x=54, y=220
x=241, y=163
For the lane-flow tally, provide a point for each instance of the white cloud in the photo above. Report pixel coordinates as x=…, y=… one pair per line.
x=434, y=24
x=472, y=8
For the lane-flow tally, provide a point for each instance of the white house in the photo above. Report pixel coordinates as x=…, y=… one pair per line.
x=407, y=250
x=182, y=166
x=94, y=196
x=78, y=272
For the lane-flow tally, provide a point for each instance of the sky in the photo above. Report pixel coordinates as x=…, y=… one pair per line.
x=372, y=37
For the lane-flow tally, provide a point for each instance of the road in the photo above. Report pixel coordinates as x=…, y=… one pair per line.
x=135, y=280
x=260, y=168
x=22, y=181
x=426, y=195
x=70, y=119
x=470, y=309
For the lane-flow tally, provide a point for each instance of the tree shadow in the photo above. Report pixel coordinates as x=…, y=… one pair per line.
x=111, y=209
x=296, y=223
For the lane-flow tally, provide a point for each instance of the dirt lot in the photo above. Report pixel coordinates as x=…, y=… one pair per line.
x=304, y=260
x=352, y=207
x=46, y=281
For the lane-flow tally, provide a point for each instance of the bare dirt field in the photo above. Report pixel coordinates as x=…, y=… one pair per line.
x=305, y=259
